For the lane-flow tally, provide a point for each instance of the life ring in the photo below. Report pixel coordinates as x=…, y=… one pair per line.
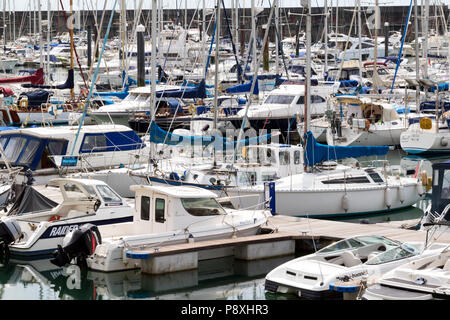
x=367, y=125
x=54, y=218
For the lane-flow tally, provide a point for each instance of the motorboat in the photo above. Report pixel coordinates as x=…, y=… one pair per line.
x=49, y=151
x=283, y=107
x=352, y=259
x=43, y=223
x=425, y=279
x=166, y=215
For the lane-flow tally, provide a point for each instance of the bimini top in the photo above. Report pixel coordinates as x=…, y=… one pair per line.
x=177, y=191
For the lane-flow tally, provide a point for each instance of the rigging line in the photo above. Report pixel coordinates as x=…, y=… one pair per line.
x=91, y=90
x=74, y=48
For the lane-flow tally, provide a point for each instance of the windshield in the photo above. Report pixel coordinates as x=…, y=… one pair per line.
x=357, y=242
x=108, y=194
x=398, y=253
x=202, y=207
x=279, y=99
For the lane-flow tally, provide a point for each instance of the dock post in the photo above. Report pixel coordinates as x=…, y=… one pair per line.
x=269, y=196
x=141, y=56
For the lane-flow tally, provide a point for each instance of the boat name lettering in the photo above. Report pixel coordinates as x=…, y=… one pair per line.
x=351, y=276
x=62, y=230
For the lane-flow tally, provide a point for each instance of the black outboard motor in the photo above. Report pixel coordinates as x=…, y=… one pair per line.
x=9, y=232
x=77, y=244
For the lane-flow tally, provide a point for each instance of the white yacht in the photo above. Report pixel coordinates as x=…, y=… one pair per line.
x=348, y=190
x=313, y=276
x=363, y=122
x=282, y=107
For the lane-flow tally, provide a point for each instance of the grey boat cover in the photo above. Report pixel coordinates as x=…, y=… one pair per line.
x=29, y=200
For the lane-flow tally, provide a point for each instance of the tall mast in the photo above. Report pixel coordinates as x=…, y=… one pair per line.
x=425, y=42
x=72, y=25
x=41, y=47
x=416, y=49
x=360, y=43
x=153, y=69
x=4, y=25
x=277, y=41
x=307, y=117
x=216, y=72
x=254, y=35
x=325, y=67
x=49, y=26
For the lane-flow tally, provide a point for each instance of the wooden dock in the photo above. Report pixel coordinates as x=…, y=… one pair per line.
x=303, y=228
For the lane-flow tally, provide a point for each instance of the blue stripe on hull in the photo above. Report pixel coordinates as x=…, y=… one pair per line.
x=353, y=214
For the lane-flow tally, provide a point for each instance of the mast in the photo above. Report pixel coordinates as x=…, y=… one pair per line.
x=425, y=42
x=375, y=49
x=72, y=93
x=416, y=49
x=153, y=68
x=216, y=72
x=277, y=41
x=254, y=36
x=308, y=63
x=41, y=49
x=49, y=25
x=360, y=43
x=325, y=67
x=4, y=26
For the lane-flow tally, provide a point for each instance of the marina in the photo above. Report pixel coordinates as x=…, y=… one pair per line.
x=234, y=150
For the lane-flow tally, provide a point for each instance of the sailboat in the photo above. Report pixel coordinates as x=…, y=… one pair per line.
x=347, y=190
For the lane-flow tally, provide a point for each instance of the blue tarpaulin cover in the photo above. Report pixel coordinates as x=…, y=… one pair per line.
x=317, y=153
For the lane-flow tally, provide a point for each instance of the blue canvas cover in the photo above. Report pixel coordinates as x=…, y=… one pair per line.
x=317, y=153
x=185, y=92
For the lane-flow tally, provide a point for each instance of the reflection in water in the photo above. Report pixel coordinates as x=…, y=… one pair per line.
x=223, y=278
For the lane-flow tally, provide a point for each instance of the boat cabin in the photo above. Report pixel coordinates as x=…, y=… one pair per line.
x=441, y=189
x=45, y=147
x=262, y=163
x=161, y=208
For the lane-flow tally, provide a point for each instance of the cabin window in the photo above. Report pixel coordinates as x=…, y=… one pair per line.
x=435, y=178
x=375, y=176
x=108, y=194
x=57, y=147
x=14, y=148
x=297, y=157
x=314, y=99
x=160, y=206
x=145, y=208
x=279, y=99
x=73, y=191
x=284, y=158
x=29, y=152
x=202, y=207
x=347, y=180
x=94, y=143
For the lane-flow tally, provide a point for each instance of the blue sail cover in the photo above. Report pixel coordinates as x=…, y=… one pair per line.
x=185, y=92
x=316, y=152
x=158, y=135
x=242, y=88
x=431, y=105
x=441, y=87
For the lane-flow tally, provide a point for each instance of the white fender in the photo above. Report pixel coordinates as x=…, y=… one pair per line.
x=345, y=202
x=388, y=197
x=401, y=193
x=419, y=188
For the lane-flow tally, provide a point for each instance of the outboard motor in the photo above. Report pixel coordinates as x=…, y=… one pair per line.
x=9, y=232
x=77, y=244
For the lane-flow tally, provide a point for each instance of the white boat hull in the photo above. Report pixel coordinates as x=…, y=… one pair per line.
x=329, y=202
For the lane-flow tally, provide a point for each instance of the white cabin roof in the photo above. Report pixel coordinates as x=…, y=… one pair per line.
x=176, y=191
